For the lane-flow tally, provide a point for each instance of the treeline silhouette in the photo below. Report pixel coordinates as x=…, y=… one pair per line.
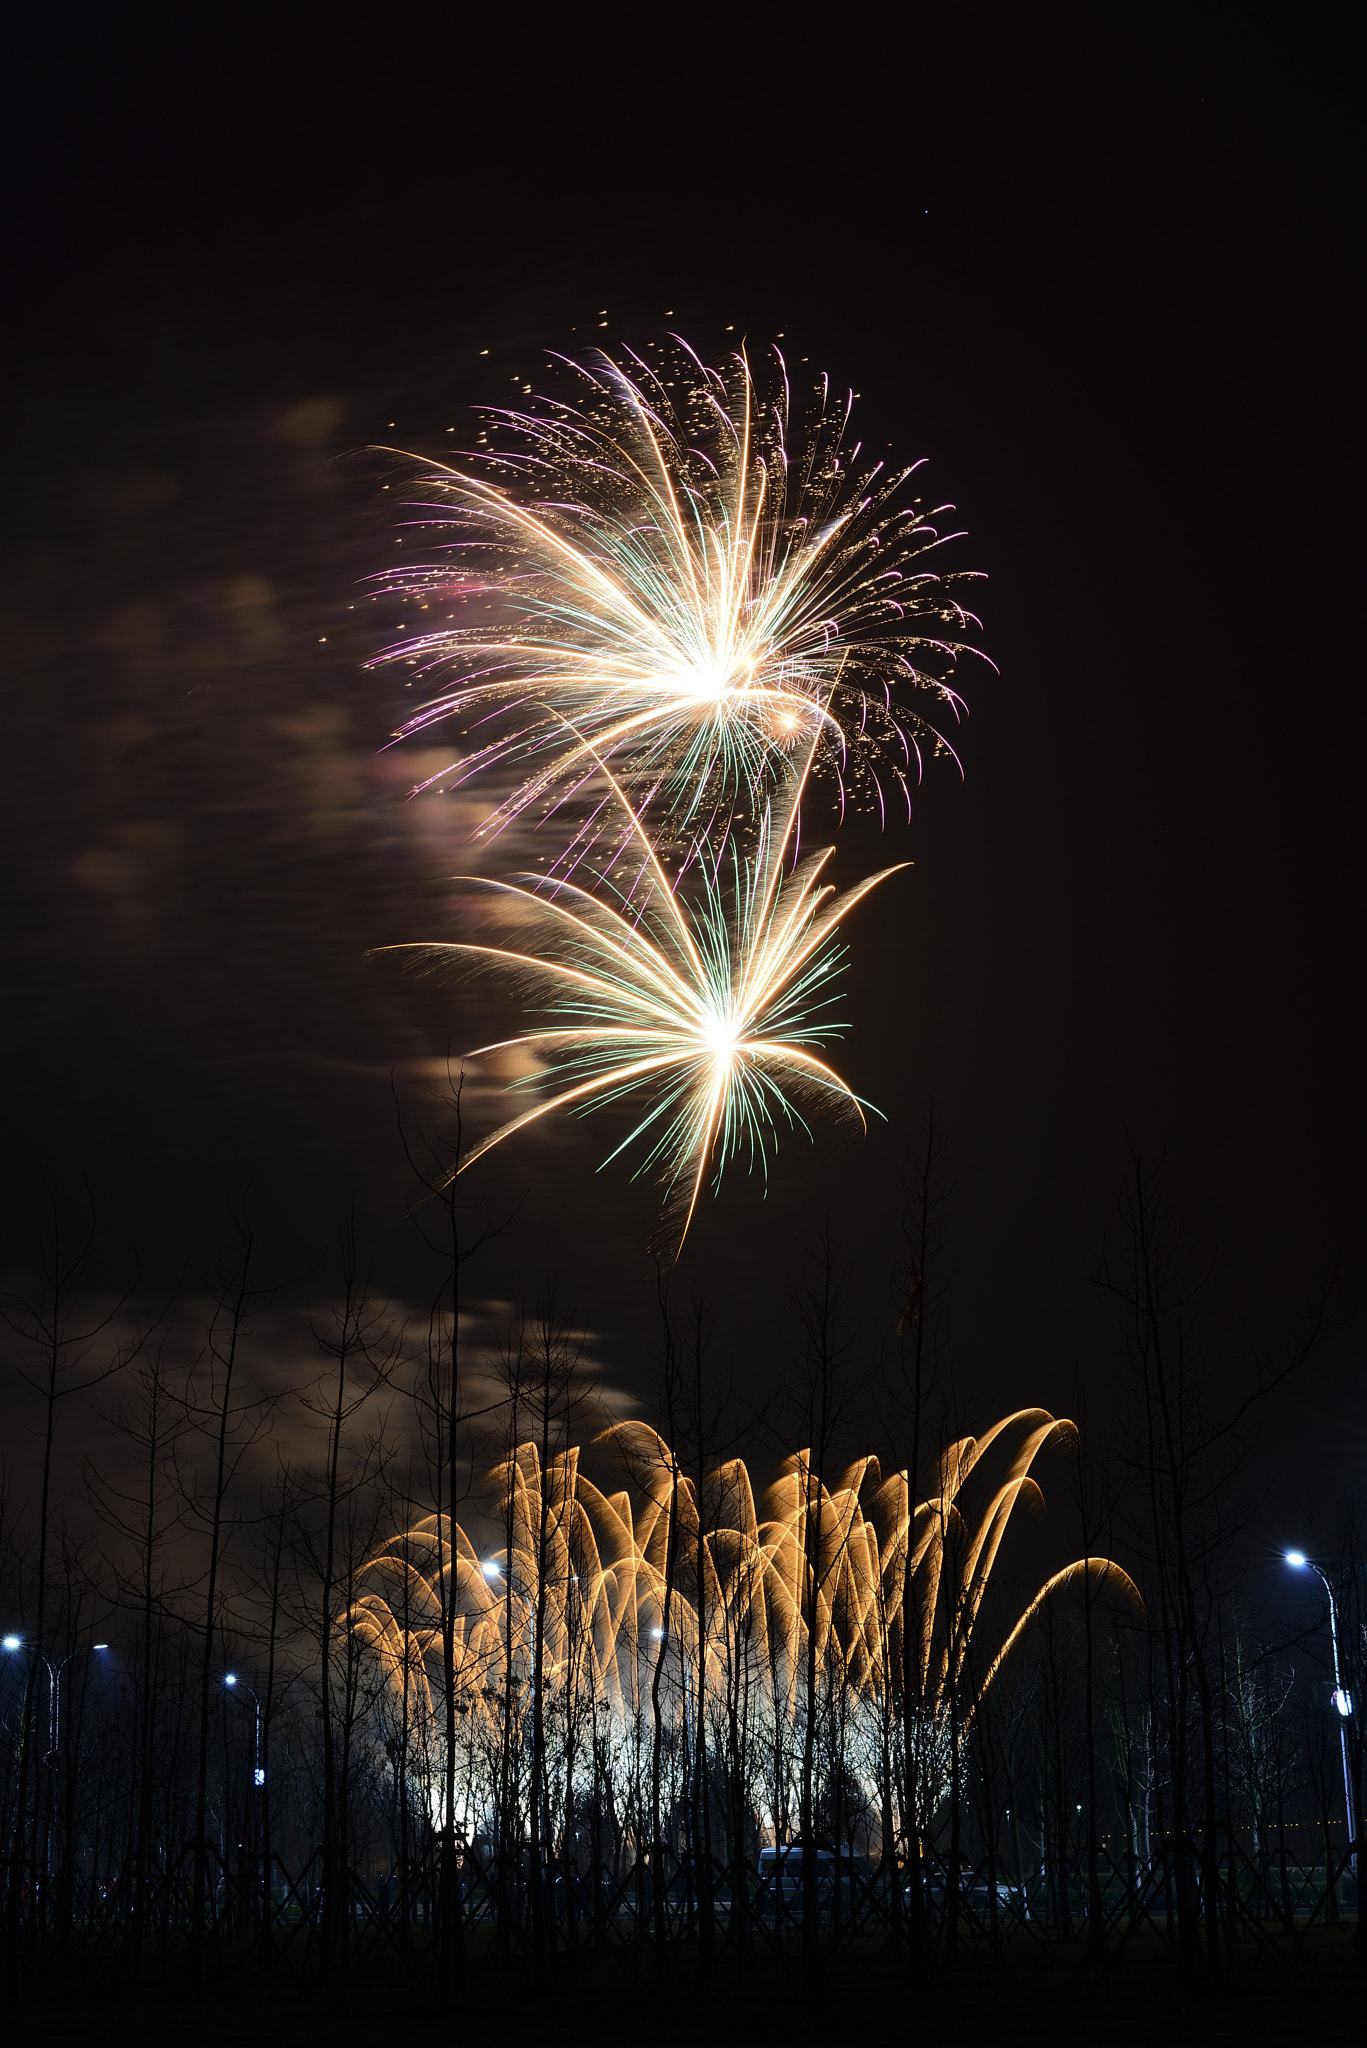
x=464, y=1669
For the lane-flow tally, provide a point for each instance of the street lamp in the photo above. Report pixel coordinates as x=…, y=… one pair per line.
x=54, y=1683
x=493, y=1571
x=1341, y=1698
x=231, y=1680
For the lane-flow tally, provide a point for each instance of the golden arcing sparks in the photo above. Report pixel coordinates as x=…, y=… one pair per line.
x=887, y=1592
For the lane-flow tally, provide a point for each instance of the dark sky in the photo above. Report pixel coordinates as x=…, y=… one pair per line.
x=1100, y=267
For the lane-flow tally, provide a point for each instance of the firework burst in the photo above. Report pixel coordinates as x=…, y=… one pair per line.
x=691, y=577
x=705, y=1002
x=888, y=1587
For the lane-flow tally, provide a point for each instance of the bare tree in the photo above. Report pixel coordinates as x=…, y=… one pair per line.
x=365, y=1352
x=66, y=1352
x=823, y=1393
x=148, y=1519
x=228, y=1423
x=920, y=1336
x=1187, y=1455
x=439, y=1217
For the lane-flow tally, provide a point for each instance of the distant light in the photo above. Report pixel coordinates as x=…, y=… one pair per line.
x=1297, y=1558
x=258, y=1776
x=99, y=1646
x=14, y=1642
x=231, y=1678
x=490, y=1569
x=1343, y=1703
x=658, y=1634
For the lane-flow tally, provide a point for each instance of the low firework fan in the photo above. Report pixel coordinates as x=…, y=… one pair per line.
x=705, y=1001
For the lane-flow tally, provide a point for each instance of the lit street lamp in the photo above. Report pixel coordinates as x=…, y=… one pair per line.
x=232, y=1680
x=1341, y=1697
x=54, y=1683
x=493, y=1571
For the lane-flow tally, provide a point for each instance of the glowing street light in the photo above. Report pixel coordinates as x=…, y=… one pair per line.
x=230, y=1679
x=493, y=1571
x=1341, y=1698
x=13, y=1643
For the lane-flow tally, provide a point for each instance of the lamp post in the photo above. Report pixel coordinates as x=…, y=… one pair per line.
x=262, y=1812
x=13, y=1644
x=1342, y=1698
x=232, y=1681
x=493, y=1572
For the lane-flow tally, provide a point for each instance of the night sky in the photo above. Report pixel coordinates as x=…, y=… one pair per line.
x=1099, y=267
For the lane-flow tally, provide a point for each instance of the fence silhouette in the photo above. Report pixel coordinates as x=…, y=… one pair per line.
x=272, y=1917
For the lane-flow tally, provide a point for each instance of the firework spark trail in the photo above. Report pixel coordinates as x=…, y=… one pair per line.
x=710, y=1010
x=697, y=581
x=599, y=1565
